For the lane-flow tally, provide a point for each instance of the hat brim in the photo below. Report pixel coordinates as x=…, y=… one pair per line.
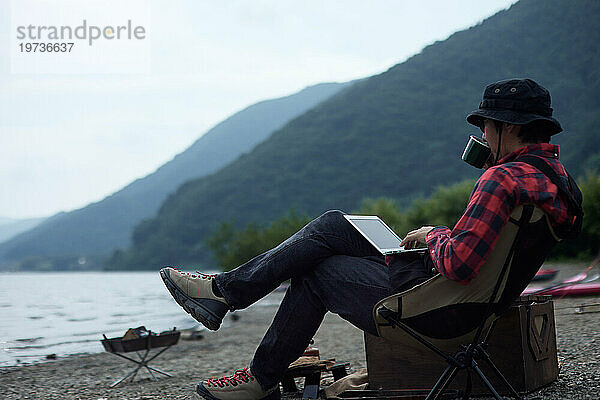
x=552, y=126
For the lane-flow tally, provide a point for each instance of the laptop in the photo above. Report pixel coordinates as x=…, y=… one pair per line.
x=381, y=236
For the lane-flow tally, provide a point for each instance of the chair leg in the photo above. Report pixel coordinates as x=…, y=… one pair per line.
x=488, y=360
x=448, y=382
x=442, y=382
x=485, y=380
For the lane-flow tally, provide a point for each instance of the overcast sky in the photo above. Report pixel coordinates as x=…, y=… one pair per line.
x=77, y=127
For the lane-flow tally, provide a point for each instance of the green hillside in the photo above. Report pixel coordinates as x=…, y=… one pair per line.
x=101, y=227
x=395, y=135
x=10, y=227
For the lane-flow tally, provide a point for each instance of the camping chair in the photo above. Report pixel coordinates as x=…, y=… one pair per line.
x=455, y=320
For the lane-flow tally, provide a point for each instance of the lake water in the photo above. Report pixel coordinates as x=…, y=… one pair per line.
x=67, y=313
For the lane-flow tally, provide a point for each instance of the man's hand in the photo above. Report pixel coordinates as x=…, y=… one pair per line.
x=413, y=238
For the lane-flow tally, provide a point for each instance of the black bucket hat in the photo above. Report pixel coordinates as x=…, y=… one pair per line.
x=518, y=102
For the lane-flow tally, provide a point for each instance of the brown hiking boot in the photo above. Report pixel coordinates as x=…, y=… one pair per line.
x=194, y=293
x=242, y=385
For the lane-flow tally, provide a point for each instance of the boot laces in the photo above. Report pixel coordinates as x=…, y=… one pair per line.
x=240, y=376
x=204, y=276
x=198, y=274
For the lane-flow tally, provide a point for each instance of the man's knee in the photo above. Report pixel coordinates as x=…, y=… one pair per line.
x=331, y=216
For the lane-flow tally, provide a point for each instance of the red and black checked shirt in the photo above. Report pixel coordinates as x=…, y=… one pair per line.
x=460, y=253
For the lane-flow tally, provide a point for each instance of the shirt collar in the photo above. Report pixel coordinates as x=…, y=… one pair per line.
x=545, y=150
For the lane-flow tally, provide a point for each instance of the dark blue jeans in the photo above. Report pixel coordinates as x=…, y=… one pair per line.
x=332, y=268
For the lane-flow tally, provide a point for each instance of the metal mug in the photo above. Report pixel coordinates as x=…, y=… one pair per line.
x=476, y=152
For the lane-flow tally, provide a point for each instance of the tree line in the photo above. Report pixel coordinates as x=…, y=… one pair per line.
x=233, y=247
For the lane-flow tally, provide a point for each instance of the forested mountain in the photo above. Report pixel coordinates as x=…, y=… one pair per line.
x=10, y=227
x=101, y=227
x=397, y=134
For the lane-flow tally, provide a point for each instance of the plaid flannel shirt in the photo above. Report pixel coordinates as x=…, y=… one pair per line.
x=460, y=253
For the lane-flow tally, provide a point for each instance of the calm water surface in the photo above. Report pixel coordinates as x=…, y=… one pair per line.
x=67, y=313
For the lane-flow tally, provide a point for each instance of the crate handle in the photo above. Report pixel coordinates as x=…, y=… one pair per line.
x=540, y=330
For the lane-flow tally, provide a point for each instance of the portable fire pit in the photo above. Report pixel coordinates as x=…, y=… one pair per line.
x=142, y=346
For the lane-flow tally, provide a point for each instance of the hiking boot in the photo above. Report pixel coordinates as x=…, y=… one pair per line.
x=194, y=293
x=242, y=385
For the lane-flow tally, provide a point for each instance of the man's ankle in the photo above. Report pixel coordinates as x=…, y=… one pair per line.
x=215, y=289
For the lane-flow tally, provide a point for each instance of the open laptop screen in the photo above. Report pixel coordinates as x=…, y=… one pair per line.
x=376, y=231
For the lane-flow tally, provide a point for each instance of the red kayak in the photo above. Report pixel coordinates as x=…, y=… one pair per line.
x=579, y=289
x=545, y=275
x=577, y=285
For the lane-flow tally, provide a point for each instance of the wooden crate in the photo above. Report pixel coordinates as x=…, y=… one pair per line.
x=522, y=345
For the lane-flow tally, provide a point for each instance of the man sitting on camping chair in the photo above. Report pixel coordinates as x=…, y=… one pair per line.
x=333, y=268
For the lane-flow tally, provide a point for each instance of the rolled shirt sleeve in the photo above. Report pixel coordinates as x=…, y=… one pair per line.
x=459, y=254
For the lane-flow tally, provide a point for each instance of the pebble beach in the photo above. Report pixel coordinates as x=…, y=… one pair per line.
x=88, y=376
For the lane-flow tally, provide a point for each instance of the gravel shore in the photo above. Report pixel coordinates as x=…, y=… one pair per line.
x=87, y=377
